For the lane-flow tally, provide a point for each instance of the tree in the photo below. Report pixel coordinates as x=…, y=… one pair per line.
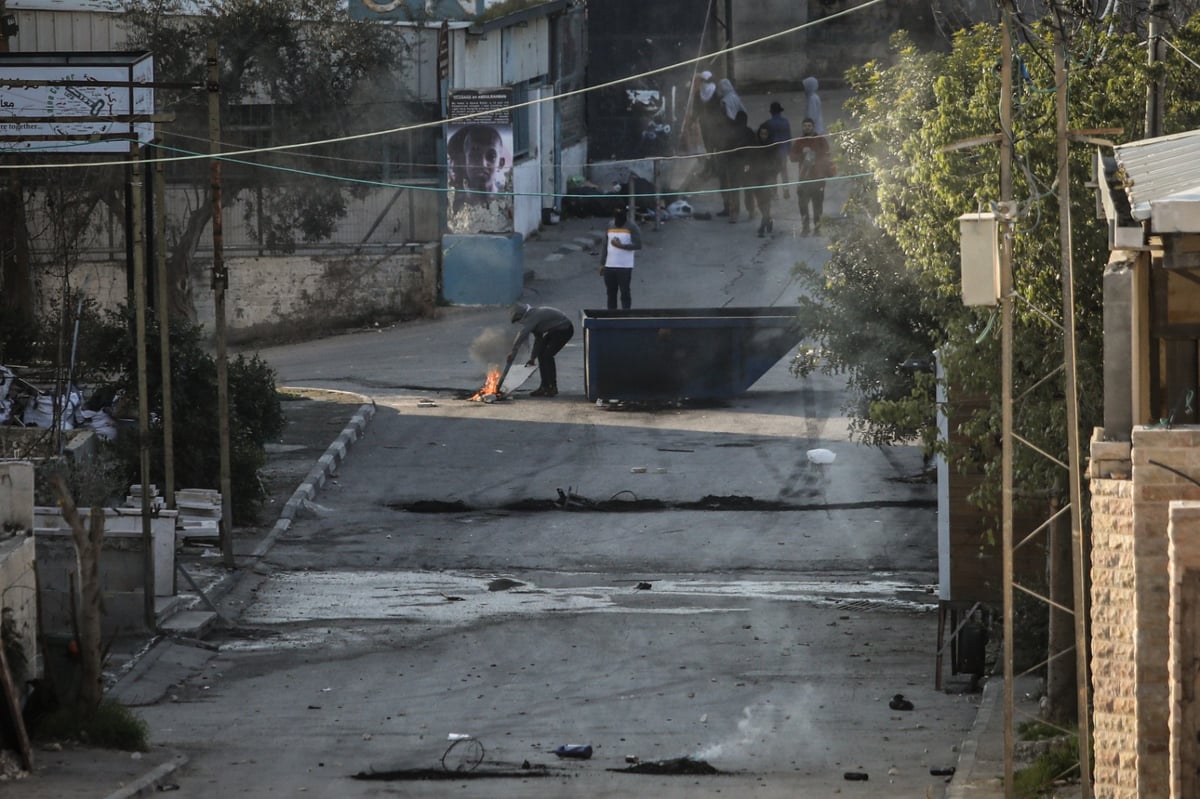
x=291, y=71
x=889, y=295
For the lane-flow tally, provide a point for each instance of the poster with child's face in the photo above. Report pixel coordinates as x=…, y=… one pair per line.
x=479, y=144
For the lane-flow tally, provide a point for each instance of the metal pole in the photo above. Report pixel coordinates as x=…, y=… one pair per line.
x=138, y=240
x=164, y=332
x=1006, y=380
x=219, y=283
x=1072, y=399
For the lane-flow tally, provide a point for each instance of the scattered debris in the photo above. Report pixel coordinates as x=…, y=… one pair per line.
x=644, y=586
x=856, y=776
x=579, y=751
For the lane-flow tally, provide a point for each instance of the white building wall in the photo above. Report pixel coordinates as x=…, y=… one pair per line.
x=525, y=52
x=64, y=27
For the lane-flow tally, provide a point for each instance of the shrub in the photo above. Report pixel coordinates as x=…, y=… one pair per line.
x=255, y=414
x=111, y=725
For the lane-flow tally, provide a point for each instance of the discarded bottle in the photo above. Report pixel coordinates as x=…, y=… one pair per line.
x=581, y=751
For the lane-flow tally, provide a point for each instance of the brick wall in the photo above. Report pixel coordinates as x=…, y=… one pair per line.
x=1130, y=605
x=1113, y=622
x=1184, y=553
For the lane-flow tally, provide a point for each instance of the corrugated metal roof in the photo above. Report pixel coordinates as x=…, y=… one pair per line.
x=1153, y=169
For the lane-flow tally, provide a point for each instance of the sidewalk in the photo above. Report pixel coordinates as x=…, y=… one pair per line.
x=307, y=458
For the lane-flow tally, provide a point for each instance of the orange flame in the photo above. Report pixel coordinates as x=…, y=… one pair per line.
x=491, y=387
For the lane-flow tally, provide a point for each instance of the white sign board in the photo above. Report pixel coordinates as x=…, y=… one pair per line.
x=100, y=102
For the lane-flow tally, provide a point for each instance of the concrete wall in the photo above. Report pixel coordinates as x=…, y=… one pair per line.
x=18, y=582
x=122, y=570
x=290, y=294
x=18, y=597
x=301, y=294
x=1131, y=590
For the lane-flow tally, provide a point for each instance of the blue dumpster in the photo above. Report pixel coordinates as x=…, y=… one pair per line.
x=664, y=354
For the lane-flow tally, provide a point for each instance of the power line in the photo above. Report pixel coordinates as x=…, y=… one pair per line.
x=465, y=117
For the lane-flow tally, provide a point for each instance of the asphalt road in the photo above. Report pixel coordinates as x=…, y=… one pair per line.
x=679, y=582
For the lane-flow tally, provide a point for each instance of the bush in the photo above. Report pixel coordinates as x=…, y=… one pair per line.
x=111, y=725
x=1060, y=764
x=255, y=414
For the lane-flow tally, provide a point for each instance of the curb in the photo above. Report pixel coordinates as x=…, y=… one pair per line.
x=961, y=784
x=148, y=782
x=325, y=467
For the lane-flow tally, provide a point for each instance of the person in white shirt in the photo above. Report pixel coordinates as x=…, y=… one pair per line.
x=616, y=265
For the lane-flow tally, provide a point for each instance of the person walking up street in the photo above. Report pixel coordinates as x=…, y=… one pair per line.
x=551, y=330
x=741, y=149
x=764, y=166
x=781, y=136
x=734, y=134
x=616, y=264
x=811, y=152
x=812, y=104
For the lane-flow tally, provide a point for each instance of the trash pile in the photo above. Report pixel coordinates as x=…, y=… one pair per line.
x=584, y=199
x=24, y=404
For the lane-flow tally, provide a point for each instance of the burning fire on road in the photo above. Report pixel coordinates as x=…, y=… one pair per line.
x=491, y=388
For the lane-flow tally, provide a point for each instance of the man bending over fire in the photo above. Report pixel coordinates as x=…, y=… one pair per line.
x=551, y=330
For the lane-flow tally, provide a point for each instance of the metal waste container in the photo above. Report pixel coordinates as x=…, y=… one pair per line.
x=664, y=354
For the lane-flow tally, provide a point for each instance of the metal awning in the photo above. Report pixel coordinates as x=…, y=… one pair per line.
x=1161, y=177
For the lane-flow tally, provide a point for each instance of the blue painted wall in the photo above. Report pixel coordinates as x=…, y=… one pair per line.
x=483, y=269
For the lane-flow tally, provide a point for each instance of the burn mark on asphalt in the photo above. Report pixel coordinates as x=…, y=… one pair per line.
x=681, y=766
x=706, y=503
x=432, y=774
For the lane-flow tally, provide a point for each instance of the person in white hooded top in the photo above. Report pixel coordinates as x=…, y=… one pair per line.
x=812, y=104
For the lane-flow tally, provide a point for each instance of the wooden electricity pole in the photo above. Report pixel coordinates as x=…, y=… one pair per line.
x=1075, y=491
x=138, y=239
x=1006, y=381
x=219, y=283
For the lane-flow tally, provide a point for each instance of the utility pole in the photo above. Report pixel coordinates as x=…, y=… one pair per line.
x=1155, y=52
x=164, y=330
x=1078, y=550
x=1006, y=381
x=138, y=239
x=220, y=280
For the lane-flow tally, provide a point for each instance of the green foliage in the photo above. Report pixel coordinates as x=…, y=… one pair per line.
x=255, y=415
x=1060, y=763
x=290, y=71
x=891, y=289
x=111, y=726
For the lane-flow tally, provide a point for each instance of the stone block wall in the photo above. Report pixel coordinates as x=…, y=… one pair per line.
x=1184, y=549
x=1131, y=604
x=1113, y=622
